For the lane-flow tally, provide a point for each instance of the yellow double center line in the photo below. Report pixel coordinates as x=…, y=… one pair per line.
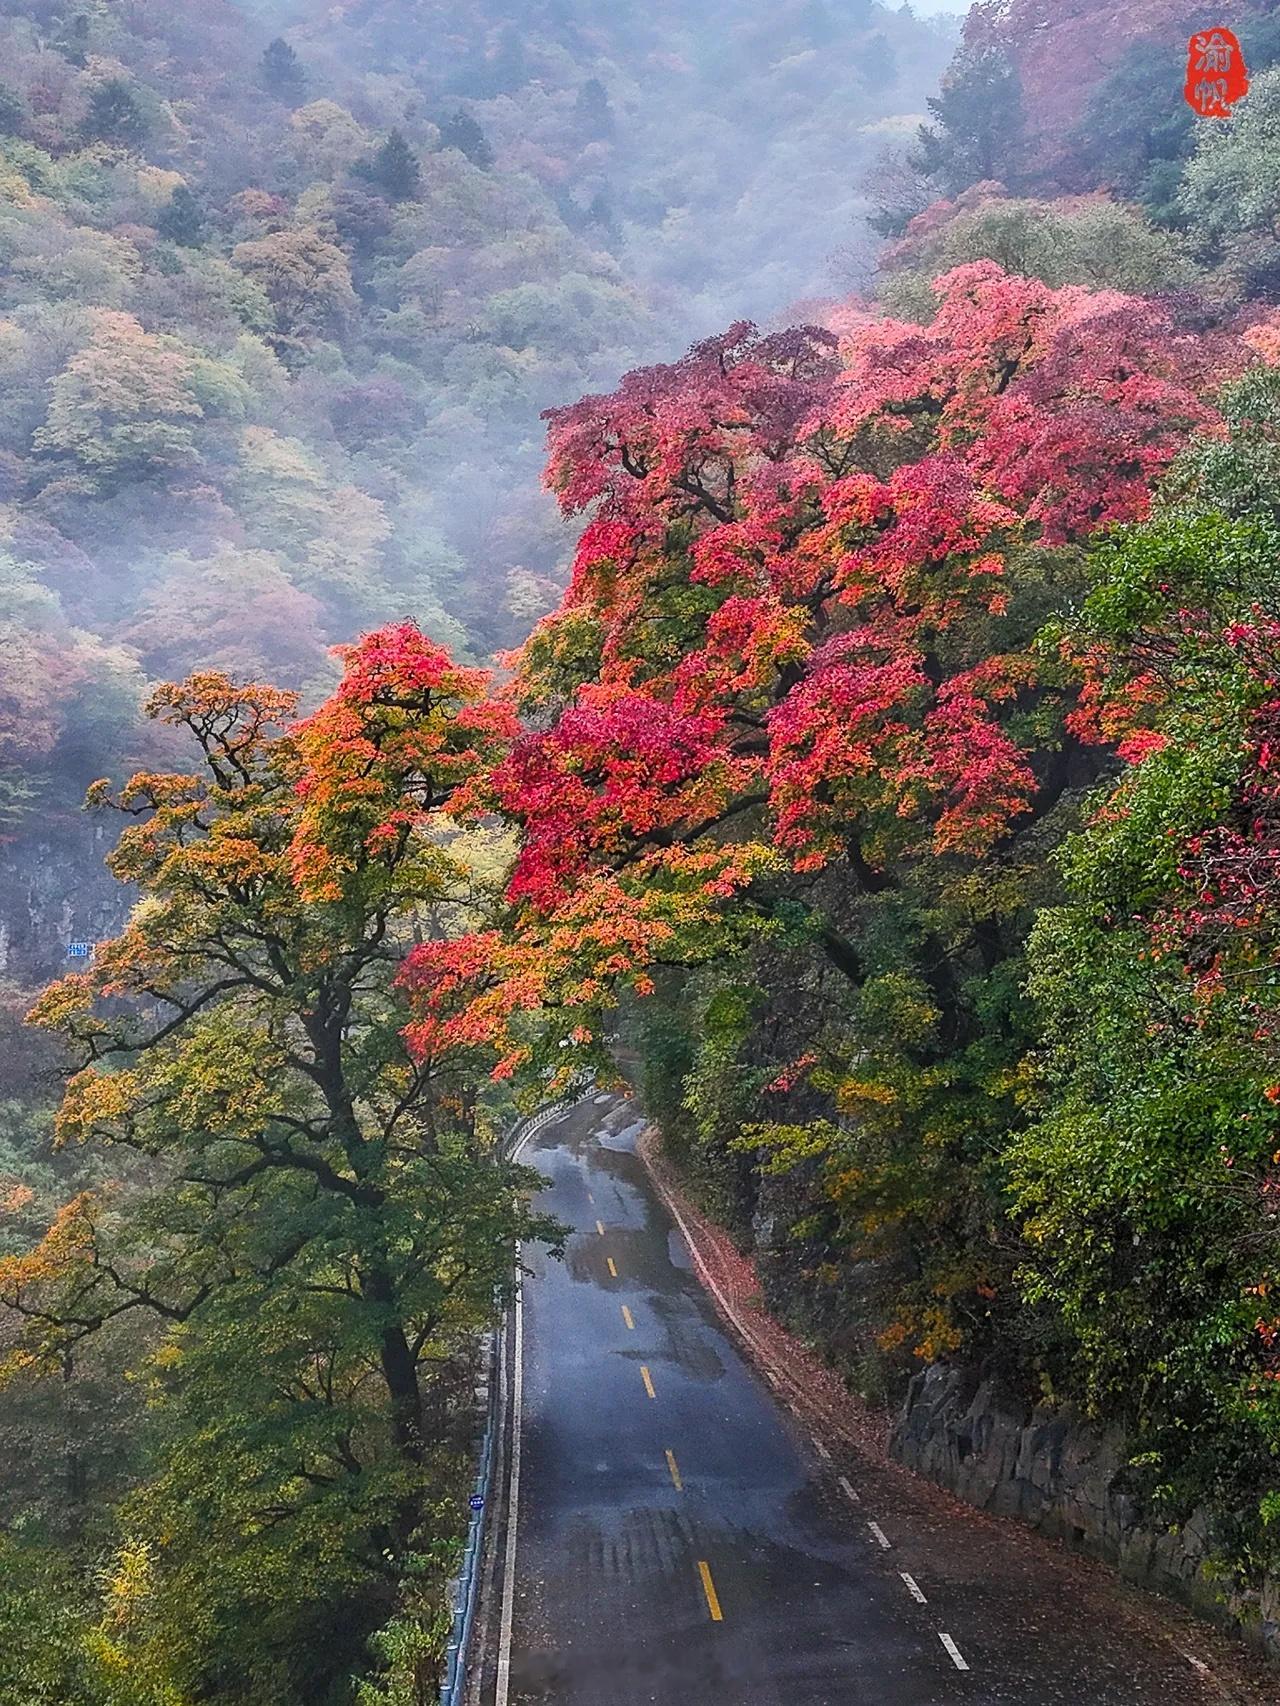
x=704, y=1569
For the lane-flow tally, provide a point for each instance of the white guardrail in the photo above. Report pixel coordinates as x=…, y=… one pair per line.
x=464, y=1589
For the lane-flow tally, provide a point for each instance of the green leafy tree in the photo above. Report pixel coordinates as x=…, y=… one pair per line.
x=324, y=1223
x=124, y=407
x=330, y=141
x=305, y=277
x=593, y=110
x=45, y=1613
x=71, y=37
x=281, y=71
x=1148, y=1183
x=182, y=219
x=395, y=168
x=602, y=218
x=1085, y=240
x=463, y=133
x=1230, y=194
x=977, y=130
x=13, y=111
x=507, y=68
x=115, y=116
x=1132, y=138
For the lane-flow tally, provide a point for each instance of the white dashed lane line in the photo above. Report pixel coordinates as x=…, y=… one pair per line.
x=957, y=1657
x=882, y=1539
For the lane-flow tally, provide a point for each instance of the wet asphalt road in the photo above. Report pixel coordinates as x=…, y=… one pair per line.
x=682, y=1543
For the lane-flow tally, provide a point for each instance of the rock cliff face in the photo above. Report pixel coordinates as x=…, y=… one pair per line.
x=1068, y=1480
x=56, y=890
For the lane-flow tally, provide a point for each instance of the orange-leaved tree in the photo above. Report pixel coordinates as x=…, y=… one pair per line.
x=311, y=1216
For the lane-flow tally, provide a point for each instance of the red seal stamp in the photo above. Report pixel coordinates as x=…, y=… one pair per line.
x=1216, y=72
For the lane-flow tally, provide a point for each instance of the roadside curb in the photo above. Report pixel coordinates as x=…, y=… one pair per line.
x=796, y=1389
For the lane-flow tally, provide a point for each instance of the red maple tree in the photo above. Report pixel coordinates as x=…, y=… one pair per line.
x=800, y=619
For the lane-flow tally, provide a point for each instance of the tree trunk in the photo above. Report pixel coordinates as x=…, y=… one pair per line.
x=400, y=1373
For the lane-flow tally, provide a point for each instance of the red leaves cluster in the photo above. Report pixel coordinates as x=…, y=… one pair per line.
x=837, y=522
x=611, y=773
x=665, y=424
x=792, y=622
x=1062, y=403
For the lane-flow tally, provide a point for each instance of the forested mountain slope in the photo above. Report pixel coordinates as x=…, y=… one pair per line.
x=236, y=366
x=1069, y=54
x=694, y=142
x=1082, y=96
x=277, y=326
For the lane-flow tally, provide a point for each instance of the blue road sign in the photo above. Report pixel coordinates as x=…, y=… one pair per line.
x=476, y=1502
x=79, y=950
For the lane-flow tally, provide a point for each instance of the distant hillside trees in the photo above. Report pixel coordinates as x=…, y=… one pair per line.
x=394, y=169
x=592, y=110
x=306, y=279
x=182, y=219
x=977, y=131
x=463, y=133
x=13, y=111
x=281, y=71
x=114, y=115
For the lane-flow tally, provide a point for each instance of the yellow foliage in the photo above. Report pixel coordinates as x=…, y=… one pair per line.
x=856, y=1093
x=938, y=1335
x=329, y=133
x=57, y=1005
x=157, y=185
x=893, y=1336
x=15, y=191
x=123, y=1645
x=129, y=1585
x=95, y=1100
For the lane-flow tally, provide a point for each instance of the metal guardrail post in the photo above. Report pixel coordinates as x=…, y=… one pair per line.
x=463, y=1590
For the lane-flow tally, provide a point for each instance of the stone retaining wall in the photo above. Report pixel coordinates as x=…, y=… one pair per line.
x=1066, y=1479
